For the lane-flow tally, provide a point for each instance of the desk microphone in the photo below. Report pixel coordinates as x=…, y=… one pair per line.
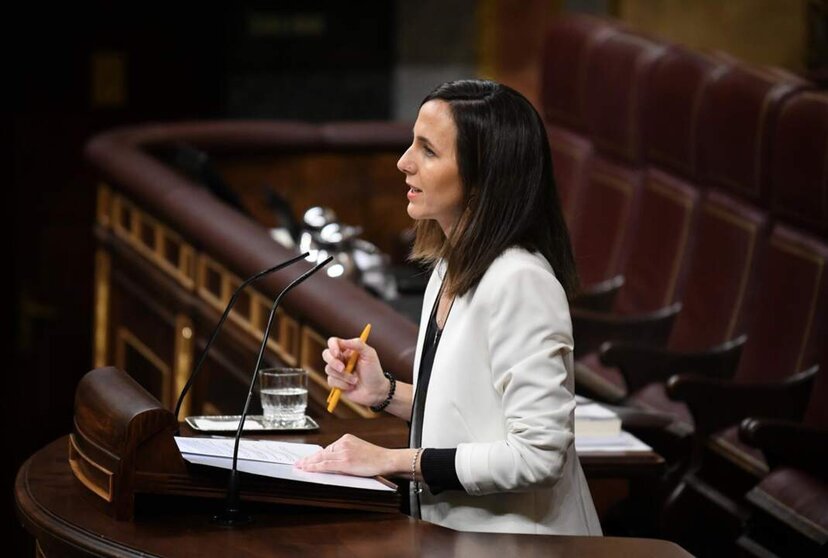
x=232, y=516
x=236, y=293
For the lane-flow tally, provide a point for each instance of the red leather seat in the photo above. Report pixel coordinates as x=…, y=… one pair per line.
x=601, y=228
x=736, y=119
x=729, y=242
x=601, y=225
x=773, y=378
x=790, y=505
x=735, y=106
x=672, y=98
x=799, y=162
x=567, y=45
x=662, y=249
x=702, y=180
x=566, y=48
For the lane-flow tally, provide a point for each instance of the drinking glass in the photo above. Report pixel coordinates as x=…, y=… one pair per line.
x=284, y=396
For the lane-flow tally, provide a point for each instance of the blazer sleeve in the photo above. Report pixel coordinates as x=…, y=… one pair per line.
x=530, y=335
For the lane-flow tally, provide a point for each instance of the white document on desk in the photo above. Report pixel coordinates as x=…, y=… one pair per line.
x=267, y=458
x=623, y=442
x=269, y=451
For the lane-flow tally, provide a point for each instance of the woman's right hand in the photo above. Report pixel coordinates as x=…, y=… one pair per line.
x=366, y=385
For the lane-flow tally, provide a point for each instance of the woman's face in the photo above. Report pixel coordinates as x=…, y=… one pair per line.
x=430, y=167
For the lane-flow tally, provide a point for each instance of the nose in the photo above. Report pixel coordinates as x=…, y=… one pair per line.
x=405, y=164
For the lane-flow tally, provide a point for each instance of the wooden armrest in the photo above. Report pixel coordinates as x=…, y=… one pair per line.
x=599, y=297
x=716, y=403
x=641, y=365
x=591, y=329
x=787, y=443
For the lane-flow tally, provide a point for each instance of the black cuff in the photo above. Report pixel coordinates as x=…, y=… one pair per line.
x=439, y=472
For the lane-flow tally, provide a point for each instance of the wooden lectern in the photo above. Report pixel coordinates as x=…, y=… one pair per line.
x=122, y=445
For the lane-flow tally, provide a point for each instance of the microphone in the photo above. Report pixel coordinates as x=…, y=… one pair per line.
x=232, y=516
x=253, y=278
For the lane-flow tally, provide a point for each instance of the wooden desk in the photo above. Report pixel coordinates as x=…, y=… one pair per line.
x=68, y=521
x=391, y=432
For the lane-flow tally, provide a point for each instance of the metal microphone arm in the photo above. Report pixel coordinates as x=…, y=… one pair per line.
x=227, y=310
x=232, y=515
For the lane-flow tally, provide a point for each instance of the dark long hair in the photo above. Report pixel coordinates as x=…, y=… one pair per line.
x=509, y=190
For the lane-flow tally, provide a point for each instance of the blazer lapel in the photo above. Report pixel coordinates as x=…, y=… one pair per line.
x=429, y=297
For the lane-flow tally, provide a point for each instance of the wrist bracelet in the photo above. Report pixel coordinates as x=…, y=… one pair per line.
x=414, y=484
x=391, y=389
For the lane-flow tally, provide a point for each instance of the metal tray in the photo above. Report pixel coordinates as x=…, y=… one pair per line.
x=253, y=423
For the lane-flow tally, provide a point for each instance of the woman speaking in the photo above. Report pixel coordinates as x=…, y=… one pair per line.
x=491, y=407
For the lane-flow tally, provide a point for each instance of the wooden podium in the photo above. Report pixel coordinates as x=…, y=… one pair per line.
x=59, y=512
x=122, y=445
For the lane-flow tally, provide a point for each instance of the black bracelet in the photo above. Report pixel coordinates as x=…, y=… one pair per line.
x=391, y=389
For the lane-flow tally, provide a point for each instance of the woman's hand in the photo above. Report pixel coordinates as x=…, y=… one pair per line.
x=353, y=456
x=366, y=385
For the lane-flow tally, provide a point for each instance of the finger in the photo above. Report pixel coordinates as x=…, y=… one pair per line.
x=349, y=379
x=326, y=454
x=300, y=463
x=326, y=466
x=333, y=347
x=336, y=363
x=341, y=384
x=355, y=344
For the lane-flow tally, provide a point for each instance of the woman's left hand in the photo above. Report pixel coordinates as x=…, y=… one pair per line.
x=353, y=456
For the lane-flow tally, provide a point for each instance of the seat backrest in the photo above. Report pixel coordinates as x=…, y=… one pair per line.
x=672, y=99
x=570, y=154
x=799, y=162
x=605, y=214
x=788, y=324
x=662, y=237
x=616, y=72
x=566, y=47
x=736, y=114
x=729, y=243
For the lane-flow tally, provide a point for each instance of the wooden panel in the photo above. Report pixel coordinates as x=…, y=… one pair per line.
x=364, y=189
x=160, y=301
x=765, y=32
x=143, y=333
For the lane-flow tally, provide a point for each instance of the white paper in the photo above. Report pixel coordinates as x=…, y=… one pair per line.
x=593, y=411
x=622, y=442
x=269, y=451
x=267, y=458
x=288, y=472
x=219, y=425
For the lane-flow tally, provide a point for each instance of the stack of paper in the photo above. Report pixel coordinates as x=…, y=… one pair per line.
x=593, y=419
x=275, y=460
x=621, y=442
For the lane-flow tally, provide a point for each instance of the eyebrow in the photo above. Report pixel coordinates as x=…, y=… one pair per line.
x=425, y=140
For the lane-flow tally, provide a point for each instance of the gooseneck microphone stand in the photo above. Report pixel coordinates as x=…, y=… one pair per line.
x=253, y=278
x=232, y=516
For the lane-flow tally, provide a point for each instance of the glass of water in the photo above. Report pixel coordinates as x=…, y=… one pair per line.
x=284, y=396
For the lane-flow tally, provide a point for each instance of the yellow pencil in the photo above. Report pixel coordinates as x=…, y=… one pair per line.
x=333, y=396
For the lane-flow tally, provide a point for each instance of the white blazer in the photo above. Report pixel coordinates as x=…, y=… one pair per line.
x=501, y=392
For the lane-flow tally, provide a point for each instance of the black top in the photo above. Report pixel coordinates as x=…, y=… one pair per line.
x=436, y=464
